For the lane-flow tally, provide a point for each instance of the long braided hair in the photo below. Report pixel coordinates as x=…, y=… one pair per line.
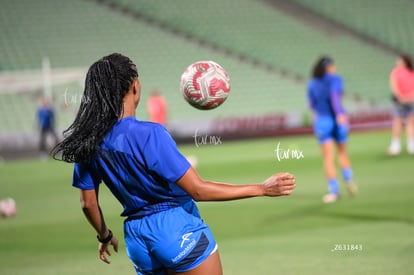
x=107, y=82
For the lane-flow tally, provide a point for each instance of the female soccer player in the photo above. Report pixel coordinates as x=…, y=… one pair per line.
x=141, y=165
x=331, y=125
x=402, y=86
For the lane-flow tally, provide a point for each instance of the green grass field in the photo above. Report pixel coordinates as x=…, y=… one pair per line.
x=289, y=235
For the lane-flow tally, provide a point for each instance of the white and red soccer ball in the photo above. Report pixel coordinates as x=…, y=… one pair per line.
x=205, y=85
x=7, y=208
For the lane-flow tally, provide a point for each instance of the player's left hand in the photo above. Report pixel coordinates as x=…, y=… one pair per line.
x=104, y=248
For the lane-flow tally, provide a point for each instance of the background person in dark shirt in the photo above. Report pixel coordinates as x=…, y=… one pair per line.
x=46, y=124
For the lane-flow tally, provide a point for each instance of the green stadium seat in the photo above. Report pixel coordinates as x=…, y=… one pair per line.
x=247, y=38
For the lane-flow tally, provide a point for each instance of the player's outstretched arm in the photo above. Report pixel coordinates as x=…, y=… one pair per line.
x=280, y=184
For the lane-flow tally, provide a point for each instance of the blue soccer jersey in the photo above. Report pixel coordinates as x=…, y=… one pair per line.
x=140, y=164
x=323, y=94
x=45, y=118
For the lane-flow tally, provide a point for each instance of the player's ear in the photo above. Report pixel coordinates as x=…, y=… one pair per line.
x=136, y=90
x=135, y=86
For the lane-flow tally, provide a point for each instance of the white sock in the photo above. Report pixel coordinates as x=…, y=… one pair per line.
x=395, y=142
x=410, y=146
x=395, y=146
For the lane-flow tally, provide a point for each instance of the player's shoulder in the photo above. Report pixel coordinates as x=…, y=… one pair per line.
x=313, y=81
x=130, y=130
x=334, y=77
x=150, y=126
x=141, y=128
x=397, y=70
x=133, y=122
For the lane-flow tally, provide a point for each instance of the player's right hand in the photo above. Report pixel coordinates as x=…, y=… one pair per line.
x=281, y=184
x=103, y=249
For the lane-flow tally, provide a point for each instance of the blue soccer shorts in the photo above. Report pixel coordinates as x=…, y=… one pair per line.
x=175, y=239
x=326, y=128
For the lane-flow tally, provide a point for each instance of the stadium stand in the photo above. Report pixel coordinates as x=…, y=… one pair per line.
x=257, y=30
x=390, y=22
x=267, y=53
x=72, y=38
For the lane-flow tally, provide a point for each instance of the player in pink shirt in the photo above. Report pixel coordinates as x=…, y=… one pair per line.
x=157, y=108
x=402, y=86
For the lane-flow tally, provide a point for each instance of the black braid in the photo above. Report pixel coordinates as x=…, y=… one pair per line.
x=107, y=82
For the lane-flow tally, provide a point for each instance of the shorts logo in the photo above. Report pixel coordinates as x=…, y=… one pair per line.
x=189, y=245
x=185, y=238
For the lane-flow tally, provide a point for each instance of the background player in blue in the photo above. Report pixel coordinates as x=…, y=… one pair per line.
x=331, y=125
x=46, y=123
x=141, y=165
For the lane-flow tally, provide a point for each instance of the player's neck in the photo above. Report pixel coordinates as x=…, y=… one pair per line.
x=130, y=102
x=129, y=107
x=129, y=110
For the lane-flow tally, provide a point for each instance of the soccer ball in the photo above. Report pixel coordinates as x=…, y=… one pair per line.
x=205, y=85
x=7, y=208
